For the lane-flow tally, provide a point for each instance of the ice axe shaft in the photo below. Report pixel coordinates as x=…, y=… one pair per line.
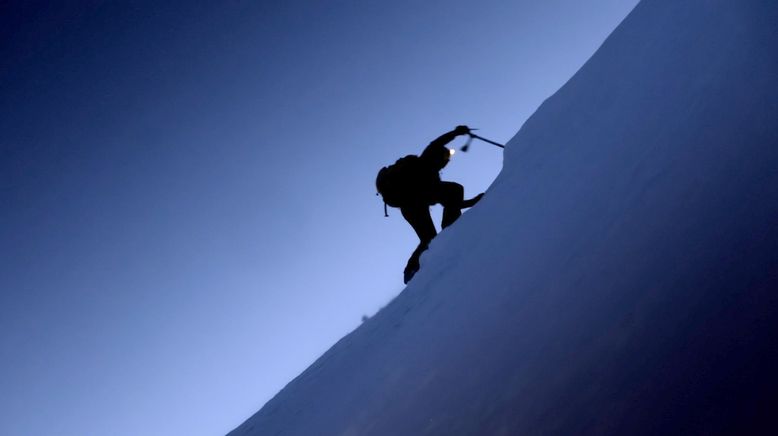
x=473, y=135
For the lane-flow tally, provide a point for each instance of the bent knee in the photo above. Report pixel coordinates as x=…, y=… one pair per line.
x=452, y=194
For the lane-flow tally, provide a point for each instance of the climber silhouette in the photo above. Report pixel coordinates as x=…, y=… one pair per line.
x=413, y=185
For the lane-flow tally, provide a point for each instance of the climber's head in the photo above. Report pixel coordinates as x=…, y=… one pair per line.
x=441, y=159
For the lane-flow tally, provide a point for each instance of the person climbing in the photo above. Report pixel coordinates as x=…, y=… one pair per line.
x=413, y=184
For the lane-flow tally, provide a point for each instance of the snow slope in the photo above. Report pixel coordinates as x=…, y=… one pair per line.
x=620, y=275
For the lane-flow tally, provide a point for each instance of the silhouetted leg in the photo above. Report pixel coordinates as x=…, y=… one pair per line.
x=472, y=201
x=413, y=264
x=450, y=195
x=419, y=218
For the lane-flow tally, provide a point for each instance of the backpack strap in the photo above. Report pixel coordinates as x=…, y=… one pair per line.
x=386, y=214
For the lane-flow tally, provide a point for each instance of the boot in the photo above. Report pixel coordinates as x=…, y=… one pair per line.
x=472, y=201
x=413, y=263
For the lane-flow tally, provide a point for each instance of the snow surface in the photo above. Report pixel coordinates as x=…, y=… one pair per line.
x=620, y=275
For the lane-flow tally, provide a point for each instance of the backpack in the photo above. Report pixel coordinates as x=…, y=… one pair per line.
x=396, y=183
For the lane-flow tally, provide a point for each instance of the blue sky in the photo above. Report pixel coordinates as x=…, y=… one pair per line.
x=187, y=210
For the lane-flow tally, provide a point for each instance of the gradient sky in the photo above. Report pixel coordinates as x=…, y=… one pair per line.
x=187, y=205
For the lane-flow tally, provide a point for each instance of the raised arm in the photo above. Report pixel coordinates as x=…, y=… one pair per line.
x=436, y=147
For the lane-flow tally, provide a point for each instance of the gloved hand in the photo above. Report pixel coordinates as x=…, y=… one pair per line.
x=462, y=130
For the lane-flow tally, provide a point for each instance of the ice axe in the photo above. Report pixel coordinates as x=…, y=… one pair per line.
x=470, y=139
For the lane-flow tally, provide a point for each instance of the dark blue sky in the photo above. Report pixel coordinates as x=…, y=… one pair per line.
x=187, y=208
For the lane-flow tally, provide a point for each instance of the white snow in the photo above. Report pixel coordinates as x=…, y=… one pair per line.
x=620, y=275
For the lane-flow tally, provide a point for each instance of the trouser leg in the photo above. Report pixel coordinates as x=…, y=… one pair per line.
x=419, y=218
x=450, y=195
